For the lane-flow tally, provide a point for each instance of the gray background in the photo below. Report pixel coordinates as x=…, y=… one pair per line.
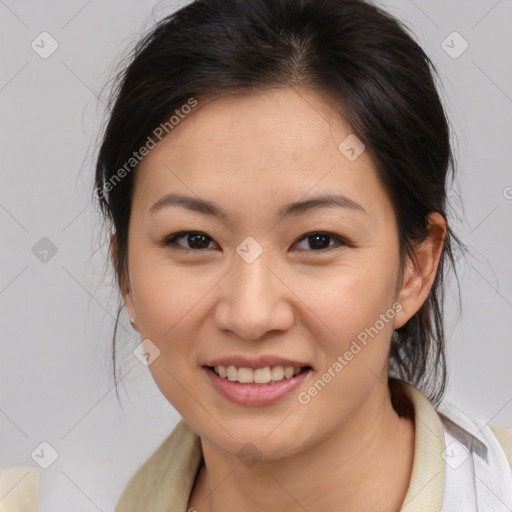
x=57, y=315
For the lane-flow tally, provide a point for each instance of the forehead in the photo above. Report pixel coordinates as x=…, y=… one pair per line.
x=281, y=123
x=279, y=142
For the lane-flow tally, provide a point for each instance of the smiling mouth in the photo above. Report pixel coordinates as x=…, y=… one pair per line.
x=257, y=376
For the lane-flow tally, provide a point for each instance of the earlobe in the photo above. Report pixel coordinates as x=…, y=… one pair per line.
x=128, y=302
x=411, y=281
x=130, y=308
x=420, y=271
x=125, y=291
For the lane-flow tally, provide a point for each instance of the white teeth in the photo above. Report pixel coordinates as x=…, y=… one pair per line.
x=245, y=375
x=259, y=375
x=232, y=373
x=288, y=372
x=262, y=375
x=277, y=373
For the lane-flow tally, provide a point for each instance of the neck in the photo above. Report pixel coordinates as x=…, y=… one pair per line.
x=363, y=466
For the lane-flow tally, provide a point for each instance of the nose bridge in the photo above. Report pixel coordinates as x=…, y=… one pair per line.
x=253, y=298
x=253, y=279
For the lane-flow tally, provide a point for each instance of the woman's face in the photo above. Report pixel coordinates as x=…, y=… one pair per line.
x=252, y=290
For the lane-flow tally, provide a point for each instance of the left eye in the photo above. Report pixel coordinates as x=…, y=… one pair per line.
x=196, y=240
x=320, y=241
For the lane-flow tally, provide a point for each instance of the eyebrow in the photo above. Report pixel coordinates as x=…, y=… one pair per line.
x=292, y=209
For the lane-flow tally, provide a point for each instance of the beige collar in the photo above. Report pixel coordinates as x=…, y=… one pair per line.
x=426, y=488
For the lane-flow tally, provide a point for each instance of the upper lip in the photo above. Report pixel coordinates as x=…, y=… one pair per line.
x=259, y=362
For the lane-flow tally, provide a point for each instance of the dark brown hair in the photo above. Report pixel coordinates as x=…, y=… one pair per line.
x=379, y=78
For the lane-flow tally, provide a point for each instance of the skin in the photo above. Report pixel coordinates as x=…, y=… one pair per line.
x=251, y=154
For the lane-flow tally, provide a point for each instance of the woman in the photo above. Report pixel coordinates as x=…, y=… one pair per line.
x=275, y=172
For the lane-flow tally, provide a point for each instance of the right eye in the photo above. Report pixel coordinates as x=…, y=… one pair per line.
x=196, y=240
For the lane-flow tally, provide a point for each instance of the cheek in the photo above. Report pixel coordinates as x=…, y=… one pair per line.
x=356, y=309
x=166, y=296
x=355, y=331
x=168, y=302
x=353, y=296
x=167, y=305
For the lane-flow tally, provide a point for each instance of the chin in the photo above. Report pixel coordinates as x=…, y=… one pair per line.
x=255, y=441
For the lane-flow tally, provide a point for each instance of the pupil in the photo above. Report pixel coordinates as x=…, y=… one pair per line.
x=193, y=239
x=315, y=238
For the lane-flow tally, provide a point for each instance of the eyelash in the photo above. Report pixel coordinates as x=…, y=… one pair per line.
x=170, y=241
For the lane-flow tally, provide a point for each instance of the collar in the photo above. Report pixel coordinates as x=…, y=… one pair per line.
x=164, y=482
x=426, y=487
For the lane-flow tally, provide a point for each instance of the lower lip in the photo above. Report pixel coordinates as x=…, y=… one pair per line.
x=248, y=394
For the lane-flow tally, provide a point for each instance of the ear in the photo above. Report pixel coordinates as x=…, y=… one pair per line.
x=418, y=276
x=123, y=285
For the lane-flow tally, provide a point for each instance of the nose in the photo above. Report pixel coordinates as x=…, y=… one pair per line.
x=254, y=300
